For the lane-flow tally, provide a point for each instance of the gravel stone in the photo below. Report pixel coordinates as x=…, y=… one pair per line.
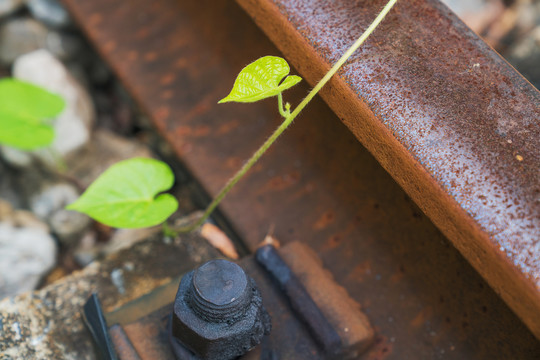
x=20, y=36
x=46, y=324
x=49, y=205
x=8, y=7
x=50, y=12
x=26, y=255
x=73, y=126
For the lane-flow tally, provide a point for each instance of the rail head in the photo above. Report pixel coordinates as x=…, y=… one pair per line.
x=446, y=116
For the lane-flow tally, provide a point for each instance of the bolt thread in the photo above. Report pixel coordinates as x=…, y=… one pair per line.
x=229, y=313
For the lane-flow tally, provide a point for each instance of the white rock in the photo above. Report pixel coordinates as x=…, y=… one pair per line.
x=87, y=250
x=52, y=198
x=26, y=255
x=69, y=226
x=49, y=205
x=20, y=36
x=105, y=149
x=9, y=6
x=15, y=157
x=125, y=238
x=73, y=126
x=49, y=12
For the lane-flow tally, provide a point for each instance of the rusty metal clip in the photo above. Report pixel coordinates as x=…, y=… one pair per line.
x=299, y=298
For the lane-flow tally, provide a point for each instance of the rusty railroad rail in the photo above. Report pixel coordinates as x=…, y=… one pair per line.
x=452, y=123
x=433, y=104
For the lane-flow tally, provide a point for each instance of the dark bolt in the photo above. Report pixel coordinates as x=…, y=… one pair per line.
x=218, y=312
x=219, y=290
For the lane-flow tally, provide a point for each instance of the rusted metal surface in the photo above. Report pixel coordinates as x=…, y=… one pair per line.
x=345, y=314
x=300, y=300
x=318, y=184
x=122, y=344
x=149, y=335
x=453, y=123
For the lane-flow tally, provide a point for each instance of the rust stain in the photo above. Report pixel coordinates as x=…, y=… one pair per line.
x=150, y=56
x=167, y=79
x=181, y=63
x=398, y=276
x=202, y=130
x=421, y=317
x=162, y=113
x=332, y=242
x=95, y=19
x=234, y=163
x=109, y=46
x=382, y=348
x=142, y=33
x=167, y=94
x=132, y=55
x=200, y=107
x=361, y=271
x=227, y=127
x=281, y=182
x=326, y=219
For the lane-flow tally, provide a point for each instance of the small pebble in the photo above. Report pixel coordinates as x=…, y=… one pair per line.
x=50, y=13
x=117, y=278
x=8, y=7
x=129, y=266
x=16, y=328
x=20, y=36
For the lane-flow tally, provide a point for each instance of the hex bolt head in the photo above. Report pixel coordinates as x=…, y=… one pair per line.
x=218, y=312
x=219, y=282
x=219, y=290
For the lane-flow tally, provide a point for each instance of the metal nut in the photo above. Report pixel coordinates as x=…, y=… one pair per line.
x=218, y=312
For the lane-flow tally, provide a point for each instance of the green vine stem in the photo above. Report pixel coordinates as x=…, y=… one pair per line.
x=289, y=117
x=283, y=111
x=61, y=165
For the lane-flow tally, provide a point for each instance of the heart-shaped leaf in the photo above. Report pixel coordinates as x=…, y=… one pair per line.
x=24, y=111
x=261, y=79
x=124, y=196
x=28, y=101
x=23, y=132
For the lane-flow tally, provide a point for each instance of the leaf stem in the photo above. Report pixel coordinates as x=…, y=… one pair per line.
x=289, y=117
x=285, y=112
x=57, y=158
x=168, y=231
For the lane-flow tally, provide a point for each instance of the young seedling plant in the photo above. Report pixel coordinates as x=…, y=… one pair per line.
x=129, y=193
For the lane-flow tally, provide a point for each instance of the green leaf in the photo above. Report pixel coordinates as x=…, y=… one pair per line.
x=24, y=110
x=124, y=196
x=261, y=79
x=23, y=133
x=28, y=101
